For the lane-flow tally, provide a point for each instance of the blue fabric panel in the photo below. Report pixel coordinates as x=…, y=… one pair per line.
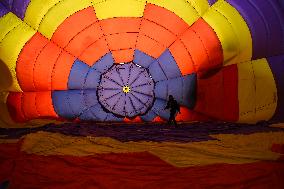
x=93, y=79
x=104, y=63
x=189, y=90
x=149, y=116
x=169, y=65
x=159, y=108
x=111, y=117
x=61, y=104
x=98, y=111
x=156, y=72
x=88, y=116
x=3, y=10
x=90, y=98
x=161, y=90
x=76, y=101
x=78, y=75
x=175, y=88
x=142, y=59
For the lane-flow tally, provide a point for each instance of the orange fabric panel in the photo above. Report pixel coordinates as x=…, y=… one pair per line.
x=149, y=46
x=84, y=39
x=74, y=25
x=210, y=42
x=137, y=119
x=125, y=55
x=182, y=58
x=14, y=104
x=120, y=25
x=29, y=105
x=122, y=41
x=94, y=52
x=44, y=66
x=158, y=33
x=158, y=119
x=61, y=71
x=218, y=95
x=196, y=49
x=26, y=61
x=44, y=104
x=165, y=18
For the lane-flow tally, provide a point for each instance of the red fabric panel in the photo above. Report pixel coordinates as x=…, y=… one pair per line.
x=29, y=105
x=165, y=18
x=204, y=46
x=158, y=33
x=73, y=25
x=84, y=39
x=27, y=59
x=149, y=46
x=44, y=66
x=125, y=55
x=187, y=115
x=14, y=104
x=129, y=170
x=182, y=58
x=120, y=25
x=61, y=71
x=94, y=52
x=230, y=81
x=217, y=96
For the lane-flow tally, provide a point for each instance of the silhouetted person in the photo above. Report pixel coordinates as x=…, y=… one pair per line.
x=174, y=108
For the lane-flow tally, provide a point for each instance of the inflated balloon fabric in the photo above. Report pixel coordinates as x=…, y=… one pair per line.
x=114, y=60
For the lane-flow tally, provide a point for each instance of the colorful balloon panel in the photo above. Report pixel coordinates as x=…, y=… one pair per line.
x=74, y=60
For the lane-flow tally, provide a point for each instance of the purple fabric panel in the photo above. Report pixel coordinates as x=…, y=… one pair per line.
x=19, y=7
x=211, y=2
x=3, y=10
x=265, y=21
x=277, y=66
x=274, y=21
x=8, y=3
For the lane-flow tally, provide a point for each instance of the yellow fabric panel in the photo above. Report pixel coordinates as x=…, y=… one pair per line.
x=57, y=14
x=117, y=8
x=181, y=8
x=228, y=148
x=232, y=31
x=246, y=92
x=8, y=23
x=257, y=91
x=10, y=48
x=201, y=6
x=266, y=91
x=36, y=11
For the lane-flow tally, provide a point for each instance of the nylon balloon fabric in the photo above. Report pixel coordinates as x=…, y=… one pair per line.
x=211, y=56
x=84, y=86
